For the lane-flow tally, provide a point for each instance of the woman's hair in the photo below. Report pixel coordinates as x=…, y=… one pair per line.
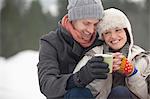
x=127, y=34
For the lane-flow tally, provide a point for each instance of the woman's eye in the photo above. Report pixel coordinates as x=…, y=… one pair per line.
x=118, y=30
x=107, y=33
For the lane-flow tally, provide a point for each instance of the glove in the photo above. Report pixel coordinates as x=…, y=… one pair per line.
x=95, y=68
x=127, y=68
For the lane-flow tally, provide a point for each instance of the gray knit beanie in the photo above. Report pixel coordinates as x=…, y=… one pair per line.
x=82, y=9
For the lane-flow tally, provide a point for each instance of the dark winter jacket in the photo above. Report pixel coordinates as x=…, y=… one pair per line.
x=58, y=57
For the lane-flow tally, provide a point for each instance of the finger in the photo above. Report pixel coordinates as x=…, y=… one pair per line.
x=116, y=67
x=99, y=65
x=117, y=62
x=97, y=59
x=117, y=55
x=116, y=59
x=100, y=71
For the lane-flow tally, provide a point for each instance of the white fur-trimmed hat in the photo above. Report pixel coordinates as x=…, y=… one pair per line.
x=113, y=18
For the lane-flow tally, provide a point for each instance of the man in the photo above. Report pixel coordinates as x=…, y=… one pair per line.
x=61, y=50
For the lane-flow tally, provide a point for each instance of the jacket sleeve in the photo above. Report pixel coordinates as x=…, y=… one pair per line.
x=137, y=83
x=52, y=83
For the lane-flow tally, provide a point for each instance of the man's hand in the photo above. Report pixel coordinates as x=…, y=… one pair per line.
x=95, y=68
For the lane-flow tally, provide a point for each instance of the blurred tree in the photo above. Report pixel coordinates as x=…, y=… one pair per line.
x=62, y=4
x=124, y=5
x=20, y=32
x=110, y=3
x=52, y=21
x=0, y=36
x=10, y=28
x=148, y=17
x=34, y=24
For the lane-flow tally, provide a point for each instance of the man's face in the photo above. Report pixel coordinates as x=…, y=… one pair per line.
x=86, y=27
x=115, y=38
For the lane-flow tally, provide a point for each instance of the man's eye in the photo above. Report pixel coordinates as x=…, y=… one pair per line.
x=86, y=23
x=95, y=24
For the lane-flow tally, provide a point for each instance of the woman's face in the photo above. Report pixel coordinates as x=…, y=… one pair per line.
x=115, y=38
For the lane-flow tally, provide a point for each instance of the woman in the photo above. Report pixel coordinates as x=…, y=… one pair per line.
x=115, y=31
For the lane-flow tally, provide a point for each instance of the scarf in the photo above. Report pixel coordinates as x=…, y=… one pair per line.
x=124, y=50
x=118, y=79
x=76, y=34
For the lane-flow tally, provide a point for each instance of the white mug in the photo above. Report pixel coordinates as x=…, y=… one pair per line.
x=108, y=58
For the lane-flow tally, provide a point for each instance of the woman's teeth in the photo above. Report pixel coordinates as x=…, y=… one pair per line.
x=115, y=41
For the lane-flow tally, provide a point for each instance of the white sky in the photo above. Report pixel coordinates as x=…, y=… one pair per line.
x=50, y=6
x=47, y=6
x=1, y=3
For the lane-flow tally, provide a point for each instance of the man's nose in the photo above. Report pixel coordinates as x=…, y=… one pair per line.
x=91, y=29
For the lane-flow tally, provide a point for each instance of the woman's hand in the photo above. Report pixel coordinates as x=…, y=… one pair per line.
x=122, y=65
x=117, y=60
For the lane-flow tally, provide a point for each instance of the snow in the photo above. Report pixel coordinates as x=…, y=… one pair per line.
x=18, y=76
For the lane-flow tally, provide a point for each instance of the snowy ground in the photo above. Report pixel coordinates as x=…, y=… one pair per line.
x=18, y=76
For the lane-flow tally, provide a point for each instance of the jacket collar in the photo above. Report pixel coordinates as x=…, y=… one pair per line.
x=76, y=48
x=136, y=50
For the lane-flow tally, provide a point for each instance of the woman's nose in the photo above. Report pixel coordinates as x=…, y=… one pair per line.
x=113, y=34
